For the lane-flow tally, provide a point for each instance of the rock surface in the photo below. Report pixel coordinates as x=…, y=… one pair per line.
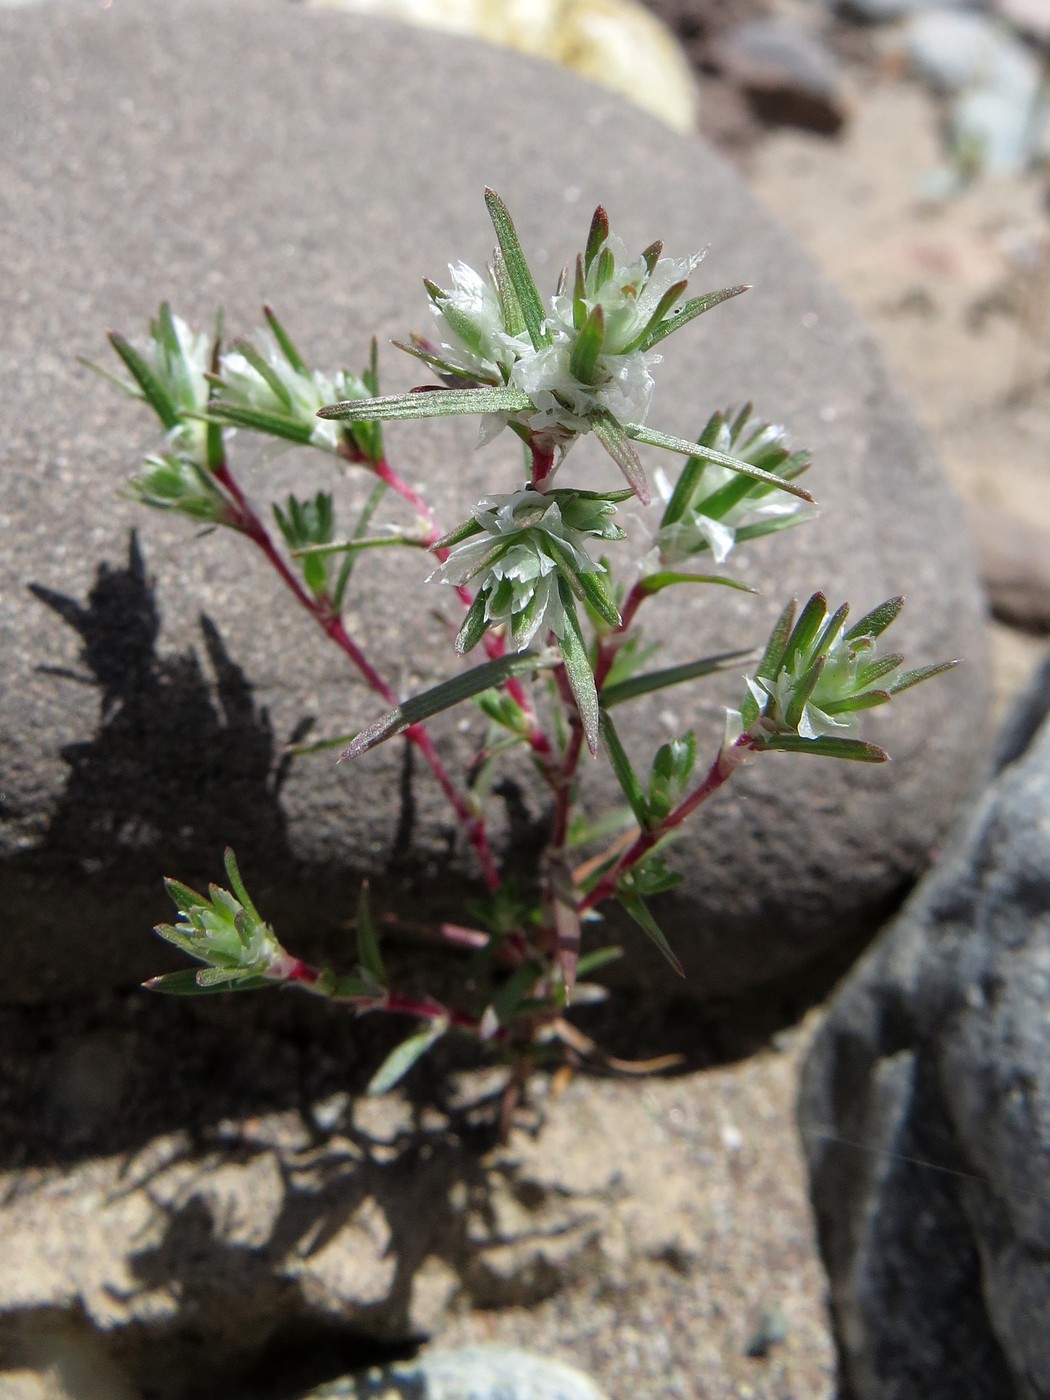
x=253, y=1259
x=617, y=43
x=151, y=681
x=470, y=1373
x=934, y=1062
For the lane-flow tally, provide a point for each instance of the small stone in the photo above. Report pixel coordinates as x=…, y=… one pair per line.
x=953, y=50
x=886, y=11
x=468, y=1373
x=788, y=74
x=1014, y=559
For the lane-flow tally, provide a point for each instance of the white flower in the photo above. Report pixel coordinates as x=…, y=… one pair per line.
x=471, y=317
x=514, y=562
x=303, y=394
x=184, y=376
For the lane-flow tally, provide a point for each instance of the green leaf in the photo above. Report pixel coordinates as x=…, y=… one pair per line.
x=634, y=686
x=804, y=634
x=428, y=403
x=443, y=697
x=233, y=874
x=265, y=371
x=614, y=437
x=473, y=627
x=642, y=915
x=596, y=236
x=284, y=340
x=183, y=897
x=518, y=271
x=368, y=954
x=510, y=306
x=922, y=673
x=400, y=1060
x=874, y=623
x=185, y=984
x=578, y=668
x=624, y=771
x=828, y=747
x=671, y=770
x=691, y=449
x=801, y=692
x=653, y=583
x=864, y=701
x=259, y=420
x=693, y=308
x=515, y=990
x=153, y=391
x=596, y=960
x=588, y=346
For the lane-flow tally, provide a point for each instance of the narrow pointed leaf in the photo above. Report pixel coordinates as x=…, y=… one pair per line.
x=642, y=915
x=693, y=308
x=922, y=673
x=400, y=1060
x=653, y=583
x=828, y=747
x=875, y=670
x=651, y=255
x=183, y=897
x=264, y=370
x=671, y=675
x=510, y=306
x=614, y=437
x=445, y=368
x=625, y=774
x=596, y=236
x=578, y=669
x=368, y=954
x=865, y=701
x=588, y=346
x=427, y=403
x=233, y=874
x=284, y=340
x=804, y=688
x=691, y=449
x=873, y=624
x=185, y=984
x=518, y=271
x=804, y=633
x=443, y=697
x=258, y=420
x=473, y=627
x=663, y=306
x=153, y=391
x=579, y=295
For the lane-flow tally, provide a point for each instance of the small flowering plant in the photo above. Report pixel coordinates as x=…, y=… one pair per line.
x=533, y=567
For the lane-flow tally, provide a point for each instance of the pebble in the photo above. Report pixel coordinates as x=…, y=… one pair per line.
x=787, y=73
x=466, y=1373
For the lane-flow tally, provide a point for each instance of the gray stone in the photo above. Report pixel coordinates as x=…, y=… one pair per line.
x=925, y=1108
x=953, y=50
x=151, y=680
x=1014, y=557
x=788, y=74
x=887, y=11
x=469, y=1373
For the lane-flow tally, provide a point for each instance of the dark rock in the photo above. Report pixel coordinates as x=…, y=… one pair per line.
x=925, y=1108
x=152, y=679
x=788, y=74
x=1014, y=559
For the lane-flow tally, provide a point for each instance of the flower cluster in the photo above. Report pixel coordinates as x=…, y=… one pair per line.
x=526, y=555
x=814, y=678
x=711, y=506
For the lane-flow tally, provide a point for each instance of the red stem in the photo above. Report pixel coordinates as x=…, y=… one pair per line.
x=722, y=769
x=249, y=523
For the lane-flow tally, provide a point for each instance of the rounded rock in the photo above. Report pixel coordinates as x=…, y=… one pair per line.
x=153, y=678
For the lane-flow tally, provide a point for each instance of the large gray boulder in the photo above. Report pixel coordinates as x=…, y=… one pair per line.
x=925, y=1110
x=223, y=154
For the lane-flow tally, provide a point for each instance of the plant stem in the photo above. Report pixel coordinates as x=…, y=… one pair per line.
x=722, y=769
x=248, y=522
